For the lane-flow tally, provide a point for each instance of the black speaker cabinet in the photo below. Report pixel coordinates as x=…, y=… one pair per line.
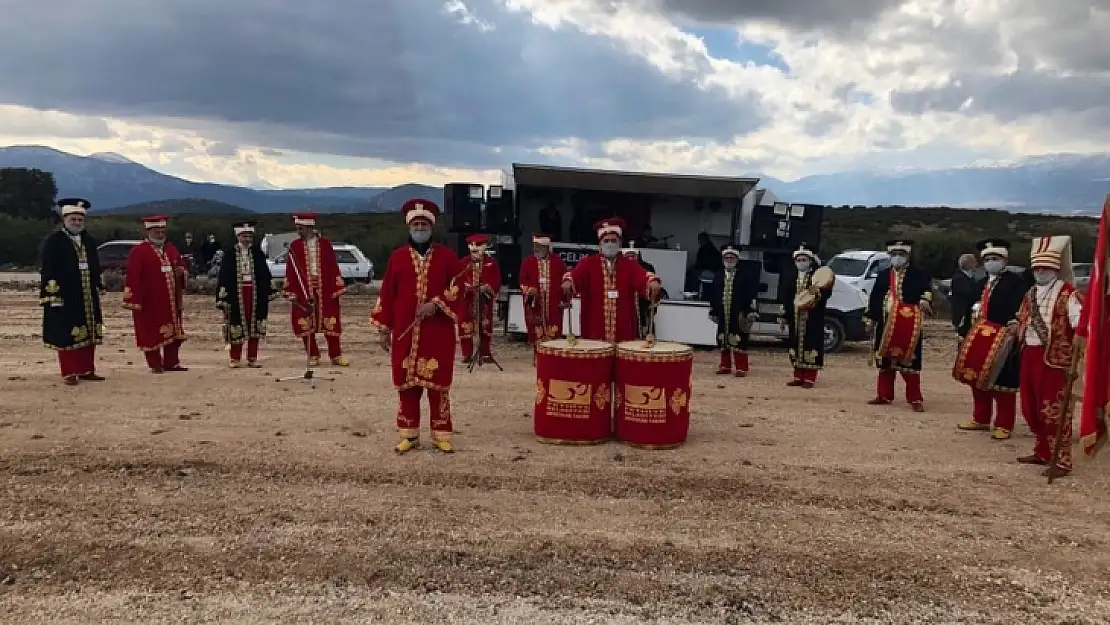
x=463, y=201
x=500, y=211
x=786, y=226
x=509, y=257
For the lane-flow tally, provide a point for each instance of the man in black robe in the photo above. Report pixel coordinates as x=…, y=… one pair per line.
x=999, y=301
x=732, y=307
x=902, y=284
x=806, y=326
x=244, y=294
x=69, y=292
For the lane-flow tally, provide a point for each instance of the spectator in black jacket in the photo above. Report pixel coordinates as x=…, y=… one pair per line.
x=965, y=290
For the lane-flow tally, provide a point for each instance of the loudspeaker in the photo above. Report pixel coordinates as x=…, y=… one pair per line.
x=500, y=214
x=509, y=257
x=463, y=201
x=786, y=226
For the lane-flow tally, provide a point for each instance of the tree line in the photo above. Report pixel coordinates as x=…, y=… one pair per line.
x=27, y=215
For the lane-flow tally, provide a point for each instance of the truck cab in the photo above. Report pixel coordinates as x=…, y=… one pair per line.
x=859, y=268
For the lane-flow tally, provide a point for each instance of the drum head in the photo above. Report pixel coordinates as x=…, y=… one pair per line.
x=660, y=347
x=823, y=277
x=582, y=345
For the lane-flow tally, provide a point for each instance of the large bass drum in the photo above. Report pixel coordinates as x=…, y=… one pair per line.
x=653, y=393
x=983, y=354
x=573, y=392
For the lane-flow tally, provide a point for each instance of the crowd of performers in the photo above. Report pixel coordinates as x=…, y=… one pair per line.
x=430, y=300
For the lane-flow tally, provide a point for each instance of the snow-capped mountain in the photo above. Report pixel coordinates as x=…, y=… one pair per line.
x=1065, y=183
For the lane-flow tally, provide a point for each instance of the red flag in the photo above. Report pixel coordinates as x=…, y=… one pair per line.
x=1094, y=325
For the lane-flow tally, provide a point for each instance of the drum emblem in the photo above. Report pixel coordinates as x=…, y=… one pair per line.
x=601, y=396
x=540, y=392
x=644, y=397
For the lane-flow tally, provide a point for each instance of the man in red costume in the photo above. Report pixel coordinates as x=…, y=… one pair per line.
x=999, y=302
x=153, y=291
x=416, y=315
x=609, y=285
x=477, y=276
x=69, y=292
x=540, y=276
x=1046, y=325
x=313, y=283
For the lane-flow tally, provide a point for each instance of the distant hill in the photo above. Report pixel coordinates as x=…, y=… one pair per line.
x=190, y=206
x=111, y=181
x=1058, y=184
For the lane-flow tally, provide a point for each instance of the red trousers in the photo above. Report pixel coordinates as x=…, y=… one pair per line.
x=885, y=387
x=164, y=358
x=80, y=361
x=806, y=375
x=408, y=413
x=734, y=357
x=335, y=350
x=252, y=351
x=1001, y=405
x=1042, y=394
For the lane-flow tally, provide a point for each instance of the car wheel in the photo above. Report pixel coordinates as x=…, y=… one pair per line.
x=834, y=335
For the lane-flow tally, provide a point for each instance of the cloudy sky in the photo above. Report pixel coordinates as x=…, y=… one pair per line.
x=379, y=92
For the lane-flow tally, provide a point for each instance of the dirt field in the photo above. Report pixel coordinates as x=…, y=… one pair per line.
x=223, y=496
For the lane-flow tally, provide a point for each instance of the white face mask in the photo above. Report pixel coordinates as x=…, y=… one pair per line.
x=1043, y=276
x=420, y=237
x=730, y=263
x=898, y=261
x=802, y=265
x=610, y=249
x=994, y=266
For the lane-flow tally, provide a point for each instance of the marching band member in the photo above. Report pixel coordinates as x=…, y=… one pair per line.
x=477, y=275
x=732, y=306
x=609, y=285
x=806, y=326
x=244, y=296
x=540, y=275
x=416, y=315
x=1046, y=324
x=153, y=291
x=903, y=284
x=69, y=292
x=314, y=283
x=643, y=305
x=999, y=303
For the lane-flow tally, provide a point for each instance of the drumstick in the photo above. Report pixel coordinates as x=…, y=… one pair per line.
x=571, y=339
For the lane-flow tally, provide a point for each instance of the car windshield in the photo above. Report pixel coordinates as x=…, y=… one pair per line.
x=1081, y=270
x=345, y=257
x=845, y=266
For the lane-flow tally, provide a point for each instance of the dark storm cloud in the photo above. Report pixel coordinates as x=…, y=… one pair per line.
x=802, y=14
x=394, y=79
x=1008, y=98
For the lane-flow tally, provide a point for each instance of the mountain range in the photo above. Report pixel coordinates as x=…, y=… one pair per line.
x=1057, y=184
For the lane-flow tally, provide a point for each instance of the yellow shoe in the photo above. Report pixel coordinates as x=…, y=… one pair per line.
x=973, y=426
x=314, y=361
x=1000, y=434
x=341, y=361
x=407, y=444
x=444, y=446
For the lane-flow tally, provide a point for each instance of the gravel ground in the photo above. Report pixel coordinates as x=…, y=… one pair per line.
x=222, y=496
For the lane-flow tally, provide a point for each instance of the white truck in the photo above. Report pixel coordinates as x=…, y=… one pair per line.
x=681, y=317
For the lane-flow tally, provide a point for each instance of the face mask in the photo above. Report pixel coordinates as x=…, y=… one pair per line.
x=994, y=267
x=730, y=264
x=1043, y=276
x=157, y=242
x=609, y=250
x=75, y=230
x=802, y=265
x=420, y=237
x=898, y=261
